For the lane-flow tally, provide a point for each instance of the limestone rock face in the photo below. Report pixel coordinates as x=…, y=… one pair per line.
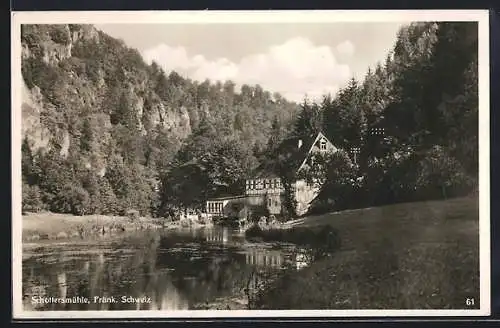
x=31, y=125
x=64, y=85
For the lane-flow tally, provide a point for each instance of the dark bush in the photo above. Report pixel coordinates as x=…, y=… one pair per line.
x=59, y=34
x=71, y=199
x=132, y=214
x=32, y=199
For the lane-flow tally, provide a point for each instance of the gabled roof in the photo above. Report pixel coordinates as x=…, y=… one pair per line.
x=291, y=153
x=318, y=136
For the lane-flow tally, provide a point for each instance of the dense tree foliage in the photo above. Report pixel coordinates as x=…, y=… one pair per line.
x=413, y=121
x=155, y=141
x=125, y=134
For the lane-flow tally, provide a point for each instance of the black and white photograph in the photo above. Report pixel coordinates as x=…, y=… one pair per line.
x=246, y=164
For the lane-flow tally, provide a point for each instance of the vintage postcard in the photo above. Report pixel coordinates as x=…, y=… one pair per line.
x=250, y=164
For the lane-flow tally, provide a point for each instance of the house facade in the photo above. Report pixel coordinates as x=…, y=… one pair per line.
x=225, y=206
x=265, y=188
x=266, y=191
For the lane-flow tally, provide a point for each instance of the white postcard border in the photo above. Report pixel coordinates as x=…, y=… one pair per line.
x=207, y=17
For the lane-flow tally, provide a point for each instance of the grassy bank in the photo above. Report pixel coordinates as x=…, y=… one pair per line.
x=416, y=255
x=52, y=226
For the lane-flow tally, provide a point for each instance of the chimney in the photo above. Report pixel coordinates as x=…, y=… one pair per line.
x=300, y=143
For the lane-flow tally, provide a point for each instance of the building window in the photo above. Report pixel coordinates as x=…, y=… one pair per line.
x=265, y=184
x=322, y=144
x=269, y=202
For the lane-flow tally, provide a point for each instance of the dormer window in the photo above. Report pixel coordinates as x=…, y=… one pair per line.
x=322, y=144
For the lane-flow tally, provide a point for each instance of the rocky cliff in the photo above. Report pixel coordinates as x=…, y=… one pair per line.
x=69, y=73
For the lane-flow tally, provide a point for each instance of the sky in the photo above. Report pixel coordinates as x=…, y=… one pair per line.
x=296, y=60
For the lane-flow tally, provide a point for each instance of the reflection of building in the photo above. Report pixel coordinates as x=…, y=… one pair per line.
x=170, y=299
x=264, y=258
x=264, y=189
x=61, y=282
x=302, y=259
x=216, y=235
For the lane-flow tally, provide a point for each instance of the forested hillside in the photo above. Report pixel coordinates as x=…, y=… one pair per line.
x=104, y=132
x=425, y=97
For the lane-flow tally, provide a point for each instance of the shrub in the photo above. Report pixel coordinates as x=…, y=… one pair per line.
x=132, y=214
x=32, y=199
x=257, y=212
x=108, y=201
x=440, y=175
x=71, y=199
x=59, y=34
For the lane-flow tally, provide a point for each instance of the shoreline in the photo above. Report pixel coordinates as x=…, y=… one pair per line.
x=50, y=228
x=47, y=227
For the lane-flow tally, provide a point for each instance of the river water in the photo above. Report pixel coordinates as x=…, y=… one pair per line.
x=209, y=268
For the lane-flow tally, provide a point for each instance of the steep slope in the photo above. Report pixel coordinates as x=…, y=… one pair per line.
x=91, y=104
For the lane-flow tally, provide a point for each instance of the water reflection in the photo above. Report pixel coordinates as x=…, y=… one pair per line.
x=264, y=258
x=173, y=271
x=63, y=287
x=218, y=235
x=302, y=258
